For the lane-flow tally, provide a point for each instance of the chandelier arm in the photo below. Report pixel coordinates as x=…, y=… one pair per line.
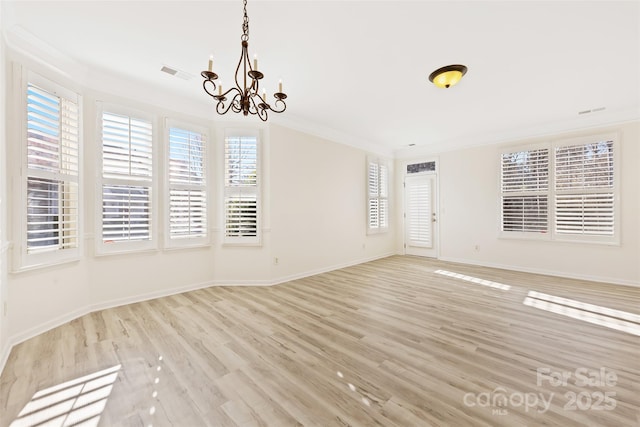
x=233, y=89
x=258, y=110
x=220, y=107
x=262, y=100
x=242, y=59
x=279, y=105
x=237, y=102
x=204, y=86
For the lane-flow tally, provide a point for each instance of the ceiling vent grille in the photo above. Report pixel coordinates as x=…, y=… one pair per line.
x=593, y=110
x=177, y=73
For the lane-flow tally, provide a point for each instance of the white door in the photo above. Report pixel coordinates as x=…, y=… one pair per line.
x=420, y=216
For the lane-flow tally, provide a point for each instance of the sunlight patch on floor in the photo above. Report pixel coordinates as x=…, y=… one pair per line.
x=591, y=313
x=75, y=402
x=476, y=280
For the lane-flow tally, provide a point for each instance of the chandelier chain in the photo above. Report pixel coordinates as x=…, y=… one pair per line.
x=245, y=23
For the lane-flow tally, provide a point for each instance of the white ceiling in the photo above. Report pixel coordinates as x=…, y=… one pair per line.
x=359, y=69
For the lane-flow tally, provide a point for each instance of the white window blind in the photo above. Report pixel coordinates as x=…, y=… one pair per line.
x=127, y=166
x=567, y=190
x=187, y=184
x=52, y=171
x=241, y=195
x=377, y=196
x=419, y=208
x=525, y=186
x=584, y=185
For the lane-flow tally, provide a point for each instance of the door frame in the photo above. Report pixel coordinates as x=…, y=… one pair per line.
x=435, y=208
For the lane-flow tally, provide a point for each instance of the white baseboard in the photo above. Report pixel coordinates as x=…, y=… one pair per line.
x=242, y=283
x=297, y=276
x=4, y=356
x=67, y=317
x=591, y=278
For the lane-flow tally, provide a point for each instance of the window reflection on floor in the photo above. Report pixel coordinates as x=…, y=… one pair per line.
x=591, y=313
x=76, y=402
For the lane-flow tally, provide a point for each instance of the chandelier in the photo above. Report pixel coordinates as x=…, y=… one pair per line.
x=243, y=97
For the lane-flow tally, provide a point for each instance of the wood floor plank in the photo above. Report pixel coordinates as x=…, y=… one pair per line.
x=386, y=343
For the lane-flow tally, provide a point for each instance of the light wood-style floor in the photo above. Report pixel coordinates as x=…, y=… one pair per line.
x=387, y=343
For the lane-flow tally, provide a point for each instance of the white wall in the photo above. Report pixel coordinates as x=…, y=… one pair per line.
x=314, y=219
x=3, y=193
x=318, y=202
x=470, y=212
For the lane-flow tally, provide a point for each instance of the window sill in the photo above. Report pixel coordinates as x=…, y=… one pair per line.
x=26, y=268
x=125, y=248
x=545, y=237
x=242, y=245
x=371, y=232
x=170, y=247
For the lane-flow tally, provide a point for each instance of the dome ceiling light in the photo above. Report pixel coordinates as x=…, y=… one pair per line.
x=447, y=76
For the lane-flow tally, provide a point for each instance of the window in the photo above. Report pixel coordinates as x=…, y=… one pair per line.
x=525, y=185
x=241, y=189
x=127, y=181
x=52, y=179
x=187, y=199
x=566, y=190
x=584, y=184
x=421, y=167
x=377, y=196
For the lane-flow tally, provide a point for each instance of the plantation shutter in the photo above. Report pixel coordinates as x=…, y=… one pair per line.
x=418, y=211
x=241, y=207
x=126, y=148
x=584, y=184
x=187, y=186
x=52, y=171
x=127, y=164
x=377, y=196
x=525, y=186
x=384, y=197
x=374, y=203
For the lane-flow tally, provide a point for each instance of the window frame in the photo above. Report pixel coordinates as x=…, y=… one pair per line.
x=228, y=191
x=380, y=163
x=104, y=248
x=552, y=193
x=186, y=242
x=23, y=260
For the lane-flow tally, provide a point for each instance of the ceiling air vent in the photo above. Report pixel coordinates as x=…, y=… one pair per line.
x=175, y=72
x=593, y=110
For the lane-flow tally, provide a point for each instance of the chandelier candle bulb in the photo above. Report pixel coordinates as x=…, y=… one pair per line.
x=211, y=63
x=280, y=86
x=220, y=89
x=264, y=95
x=255, y=61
